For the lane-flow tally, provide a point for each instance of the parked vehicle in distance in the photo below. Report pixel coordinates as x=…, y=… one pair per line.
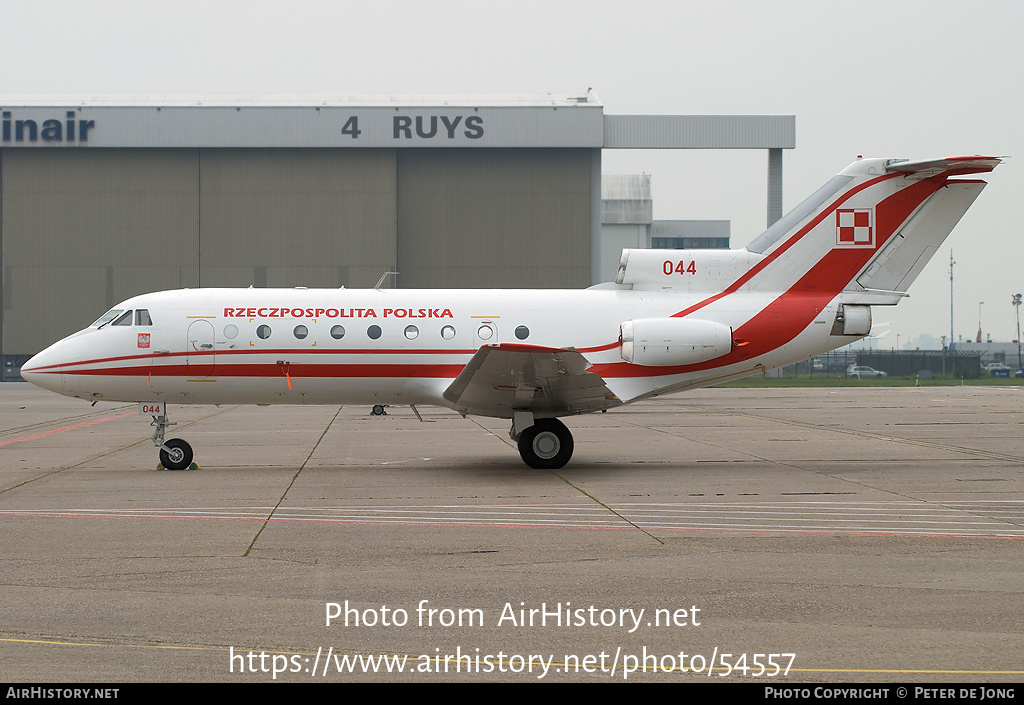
x=995, y=366
x=863, y=371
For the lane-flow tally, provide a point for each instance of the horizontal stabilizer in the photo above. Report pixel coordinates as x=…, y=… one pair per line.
x=953, y=166
x=871, y=297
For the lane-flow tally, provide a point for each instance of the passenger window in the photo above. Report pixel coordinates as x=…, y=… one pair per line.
x=230, y=331
x=522, y=332
x=142, y=317
x=373, y=332
x=125, y=319
x=411, y=332
x=448, y=332
x=263, y=332
x=301, y=332
x=338, y=332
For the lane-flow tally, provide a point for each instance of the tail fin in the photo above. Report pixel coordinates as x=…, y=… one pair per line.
x=872, y=227
x=869, y=232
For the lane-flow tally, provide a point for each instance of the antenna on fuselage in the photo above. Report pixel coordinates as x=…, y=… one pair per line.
x=383, y=277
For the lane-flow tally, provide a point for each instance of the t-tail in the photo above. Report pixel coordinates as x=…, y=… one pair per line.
x=863, y=237
x=870, y=230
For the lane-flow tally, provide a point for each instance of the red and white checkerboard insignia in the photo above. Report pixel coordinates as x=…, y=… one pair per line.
x=855, y=227
x=143, y=340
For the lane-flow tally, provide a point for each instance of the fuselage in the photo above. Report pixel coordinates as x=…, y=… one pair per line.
x=342, y=346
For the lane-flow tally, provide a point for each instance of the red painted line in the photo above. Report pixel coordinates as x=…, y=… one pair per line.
x=498, y=525
x=66, y=428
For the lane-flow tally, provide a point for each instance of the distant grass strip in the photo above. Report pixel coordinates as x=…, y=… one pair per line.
x=824, y=379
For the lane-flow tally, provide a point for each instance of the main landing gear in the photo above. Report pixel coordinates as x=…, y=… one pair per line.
x=544, y=444
x=175, y=454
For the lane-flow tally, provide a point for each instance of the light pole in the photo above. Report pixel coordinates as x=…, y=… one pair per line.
x=1016, y=303
x=980, y=304
x=951, y=263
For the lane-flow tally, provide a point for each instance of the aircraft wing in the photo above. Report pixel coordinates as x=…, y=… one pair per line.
x=503, y=377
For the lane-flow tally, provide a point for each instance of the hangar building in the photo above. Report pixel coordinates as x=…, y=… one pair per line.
x=105, y=198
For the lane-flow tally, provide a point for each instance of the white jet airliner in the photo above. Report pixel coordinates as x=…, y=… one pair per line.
x=673, y=320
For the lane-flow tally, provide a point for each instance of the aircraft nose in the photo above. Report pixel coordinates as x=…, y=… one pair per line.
x=44, y=369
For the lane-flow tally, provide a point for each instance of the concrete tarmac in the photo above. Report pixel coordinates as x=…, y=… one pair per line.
x=778, y=536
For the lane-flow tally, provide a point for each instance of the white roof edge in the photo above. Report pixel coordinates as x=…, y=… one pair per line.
x=588, y=98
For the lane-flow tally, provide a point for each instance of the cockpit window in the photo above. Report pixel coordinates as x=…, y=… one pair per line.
x=108, y=317
x=125, y=319
x=142, y=317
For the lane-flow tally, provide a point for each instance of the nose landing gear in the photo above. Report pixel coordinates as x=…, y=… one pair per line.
x=175, y=454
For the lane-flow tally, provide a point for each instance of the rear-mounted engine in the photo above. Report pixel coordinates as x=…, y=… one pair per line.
x=660, y=342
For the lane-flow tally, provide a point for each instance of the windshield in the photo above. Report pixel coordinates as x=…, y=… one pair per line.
x=108, y=317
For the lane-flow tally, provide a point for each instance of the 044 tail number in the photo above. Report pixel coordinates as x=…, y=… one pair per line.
x=679, y=267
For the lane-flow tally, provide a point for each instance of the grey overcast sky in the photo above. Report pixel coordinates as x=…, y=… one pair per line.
x=891, y=78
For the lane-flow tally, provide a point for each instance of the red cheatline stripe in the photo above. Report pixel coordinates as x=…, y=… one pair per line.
x=157, y=357
x=295, y=369
x=599, y=348
x=66, y=428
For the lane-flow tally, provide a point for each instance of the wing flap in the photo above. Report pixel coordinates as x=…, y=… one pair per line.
x=504, y=377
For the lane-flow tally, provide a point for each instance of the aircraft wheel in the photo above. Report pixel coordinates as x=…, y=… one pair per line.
x=179, y=457
x=547, y=445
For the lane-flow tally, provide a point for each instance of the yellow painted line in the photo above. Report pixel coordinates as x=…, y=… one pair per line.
x=428, y=659
x=137, y=646
x=485, y=316
x=906, y=670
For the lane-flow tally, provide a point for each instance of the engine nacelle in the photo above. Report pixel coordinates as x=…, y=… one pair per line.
x=856, y=320
x=660, y=342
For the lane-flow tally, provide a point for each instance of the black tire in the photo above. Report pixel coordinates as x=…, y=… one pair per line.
x=180, y=456
x=547, y=445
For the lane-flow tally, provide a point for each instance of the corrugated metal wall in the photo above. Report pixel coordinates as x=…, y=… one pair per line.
x=699, y=131
x=85, y=229
x=296, y=217
x=497, y=218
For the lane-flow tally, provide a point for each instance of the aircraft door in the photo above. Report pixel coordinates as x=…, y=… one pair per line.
x=200, y=353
